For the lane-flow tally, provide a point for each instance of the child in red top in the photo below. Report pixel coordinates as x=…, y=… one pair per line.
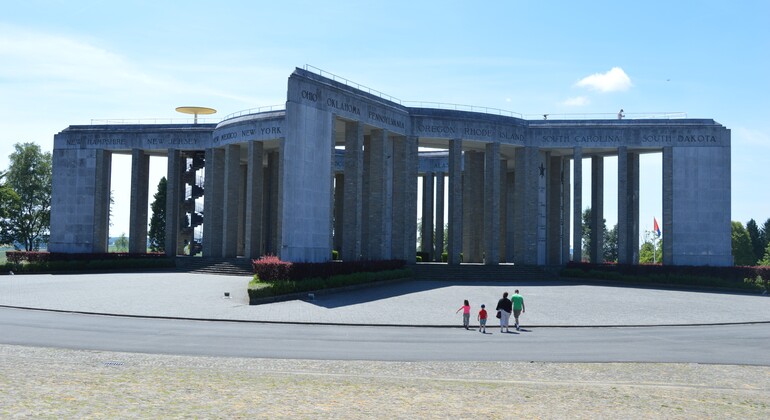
x=482, y=320
x=466, y=308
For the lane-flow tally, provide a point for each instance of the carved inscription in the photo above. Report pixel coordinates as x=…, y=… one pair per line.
x=385, y=119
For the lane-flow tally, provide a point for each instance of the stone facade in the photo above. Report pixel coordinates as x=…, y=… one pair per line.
x=339, y=168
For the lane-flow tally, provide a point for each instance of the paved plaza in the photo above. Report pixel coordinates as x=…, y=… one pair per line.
x=408, y=303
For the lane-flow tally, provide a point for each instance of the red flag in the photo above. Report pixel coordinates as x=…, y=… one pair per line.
x=655, y=227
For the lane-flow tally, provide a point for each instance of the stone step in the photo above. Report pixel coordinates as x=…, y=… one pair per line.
x=225, y=266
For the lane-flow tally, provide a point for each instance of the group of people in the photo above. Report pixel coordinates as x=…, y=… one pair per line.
x=505, y=307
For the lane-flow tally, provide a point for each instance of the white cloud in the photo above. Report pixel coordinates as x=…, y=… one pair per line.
x=577, y=101
x=612, y=81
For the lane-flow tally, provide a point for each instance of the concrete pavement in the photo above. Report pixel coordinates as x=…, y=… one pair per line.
x=413, y=303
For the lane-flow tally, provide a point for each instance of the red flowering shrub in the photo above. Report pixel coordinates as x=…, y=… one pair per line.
x=270, y=268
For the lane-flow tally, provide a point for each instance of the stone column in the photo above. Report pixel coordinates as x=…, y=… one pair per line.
x=213, y=202
x=380, y=196
x=566, y=215
x=454, y=234
x=577, y=213
x=427, y=215
x=492, y=204
x=398, y=235
x=272, y=204
x=405, y=189
x=352, y=207
x=174, y=195
x=102, y=200
x=554, y=211
x=232, y=187
x=668, y=205
x=473, y=207
x=510, y=221
x=339, y=201
x=140, y=185
x=628, y=206
x=254, y=197
x=503, y=235
x=439, y=217
x=526, y=206
x=597, y=209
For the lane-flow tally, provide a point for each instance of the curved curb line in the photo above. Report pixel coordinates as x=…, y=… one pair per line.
x=349, y=324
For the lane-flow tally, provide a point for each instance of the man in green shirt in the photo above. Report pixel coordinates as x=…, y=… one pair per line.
x=518, y=307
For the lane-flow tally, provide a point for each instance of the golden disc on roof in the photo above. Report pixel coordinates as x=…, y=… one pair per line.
x=195, y=110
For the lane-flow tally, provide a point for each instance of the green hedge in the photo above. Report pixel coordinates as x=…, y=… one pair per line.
x=757, y=285
x=262, y=289
x=90, y=265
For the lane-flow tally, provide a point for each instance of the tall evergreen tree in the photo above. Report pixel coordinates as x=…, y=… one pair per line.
x=610, y=239
x=157, y=232
x=742, y=252
x=611, y=244
x=764, y=233
x=757, y=247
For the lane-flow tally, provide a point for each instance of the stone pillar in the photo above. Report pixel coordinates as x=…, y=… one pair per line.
x=380, y=196
x=399, y=234
x=339, y=201
x=577, y=213
x=510, y=221
x=272, y=204
x=668, y=205
x=473, y=207
x=353, y=191
x=174, y=196
x=597, y=209
x=405, y=168
x=140, y=185
x=566, y=215
x=492, y=204
x=102, y=200
x=526, y=206
x=439, y=217
x=213, y=202
x=254, y=197
x=427, y=215
x=554, y=211
x=628, y=206
x=241, y=248
x=232, y=187
x=454, y=234
x=503, y=235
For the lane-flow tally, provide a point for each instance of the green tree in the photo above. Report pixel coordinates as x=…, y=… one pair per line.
x=610, y=250
x=764, y=233
x=121, y=244
x=610, y=246
x=651, y=252
x=742, y=252
x=766, y=259
x=26, y=216
x=757, y=247
x=586, y=229
x=157, y=231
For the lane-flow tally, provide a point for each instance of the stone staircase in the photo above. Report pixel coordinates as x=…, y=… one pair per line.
x=222, y=266
x=480, y=272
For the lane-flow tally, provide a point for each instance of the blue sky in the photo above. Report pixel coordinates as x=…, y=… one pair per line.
x=68, y=62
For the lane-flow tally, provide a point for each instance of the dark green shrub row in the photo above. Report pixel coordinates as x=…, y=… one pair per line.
x=17, y=257
x=670, y=277
x=735, y=274
x=90, y=265
x=270, y=268
x=262, y=289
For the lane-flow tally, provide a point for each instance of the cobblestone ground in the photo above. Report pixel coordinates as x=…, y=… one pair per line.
x=54, y=383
